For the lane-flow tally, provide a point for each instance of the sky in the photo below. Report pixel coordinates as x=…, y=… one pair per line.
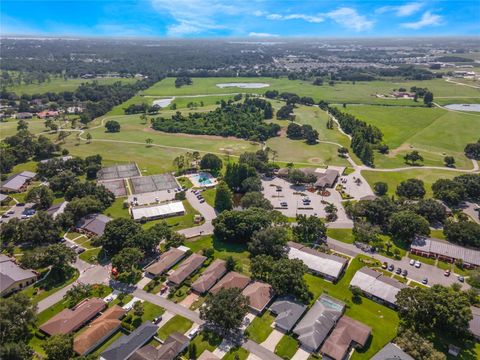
x=232, y=18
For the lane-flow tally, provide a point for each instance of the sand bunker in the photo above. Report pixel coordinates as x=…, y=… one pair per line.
x=163, y=102
x=243, y=85
x=464, y=107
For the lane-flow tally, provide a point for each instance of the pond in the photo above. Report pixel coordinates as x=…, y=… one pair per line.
x=243, y=85
x=464, y=107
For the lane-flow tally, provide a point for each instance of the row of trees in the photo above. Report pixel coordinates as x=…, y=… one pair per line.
x=461, y=188
x=242, y=120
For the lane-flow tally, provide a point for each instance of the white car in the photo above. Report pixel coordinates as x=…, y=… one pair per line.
x=192, y=333
x=418, y=264
x=109, y=298
x=412, y=262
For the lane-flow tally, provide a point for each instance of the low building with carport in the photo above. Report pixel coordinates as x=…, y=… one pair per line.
x=288, y=311
x=232, y=280
x=186, y=268
x=259, y=296
x=167, y=260
x=13, y=277
x=18, y=182
x=158, y=211
x=327, y=266
x=210, y=276
x=93, y=224
x=445, y=251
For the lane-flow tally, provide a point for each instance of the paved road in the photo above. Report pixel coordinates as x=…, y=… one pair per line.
x=168, y=305
x=208, y=214
x=89, y=274
x=434, y=274
x=259, y=351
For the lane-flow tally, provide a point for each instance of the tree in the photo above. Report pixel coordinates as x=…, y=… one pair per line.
x=138, y=309
x=331, y=211
x=22, y=125
x=89, y=138
x=230, y=263
x=434, y=309
x=149, y=142
x=223, y=197
x=413, y=157
x=465, y=233
x=428, y=98
x=296, y=176
x=405, y=225
x=118, y=234
x=127, y=259
x=417, y=346
x=40, y=229
x=472, y=150
x=309, y=230
x=59, y=257
x=365, y=232
x=77, y=293
x=380, y=188
x=431, y=210
x=310, y=134
x=255, y=199
x=112, y=126
x=80, y=207
x=449, y=191
x=59, y=347
x=41, y=196
x=470, y=184
x=252, y=183
x=270, y=241
x=449, y=161
x=62, y=181
x=211, y=162
x=411, y=189
x=17, y=317
x=225, y=310
x=294, y=131
x=376, y=212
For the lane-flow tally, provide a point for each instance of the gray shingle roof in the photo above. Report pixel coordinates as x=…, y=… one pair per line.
x=126, y=345
x=444, y=248
x=288, y=312
x=94, y=223
x=10, y=273
x=17, y=181
x=392, y=352
x=319, y=321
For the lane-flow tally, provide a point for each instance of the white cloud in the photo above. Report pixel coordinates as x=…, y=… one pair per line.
x=401, y=10
x=428, y=19
x=308, y=18
x=350, y=19
x=261, y=34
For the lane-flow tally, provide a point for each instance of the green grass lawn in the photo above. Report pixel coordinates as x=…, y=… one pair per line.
x=209, y=195
x=9, y=127
x=223, y=250
x=151, y=311
x=206, y=340
x=236, y=354
x=383, y=320
x=260, y=327
x=287, y=347
x=58, y=84
x=116, y=210
x=177, y=323
x=343, y=235
x=92, y=256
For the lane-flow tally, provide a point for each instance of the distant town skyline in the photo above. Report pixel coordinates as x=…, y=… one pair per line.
x=253, y=18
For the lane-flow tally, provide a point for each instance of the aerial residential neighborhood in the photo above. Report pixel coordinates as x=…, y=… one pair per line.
x=239, y=180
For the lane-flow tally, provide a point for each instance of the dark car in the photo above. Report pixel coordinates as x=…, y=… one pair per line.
x=405, y=272
x=399, y=271
x=20, y=204
x=461, y=279
x=391, y=267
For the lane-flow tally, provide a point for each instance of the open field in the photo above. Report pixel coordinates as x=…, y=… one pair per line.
x=393, y=179
x=9, y=127
x=434, y=132
x=360, y=92
x=58, y=84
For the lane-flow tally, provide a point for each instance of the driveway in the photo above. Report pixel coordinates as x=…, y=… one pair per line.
x=260, y=351
x=433, y=273
x=271, y=342
x=292, y=195
x=206, y=211
x=301, y=354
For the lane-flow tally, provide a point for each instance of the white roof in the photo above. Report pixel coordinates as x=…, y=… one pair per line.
x=321, y=263
x=160, y=210
x=374, y=283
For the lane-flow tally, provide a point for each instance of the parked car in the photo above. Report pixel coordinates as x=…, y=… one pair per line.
x=384, y=265
x=5, y=216
x=283, y=204
x=80, y=250
x=11, y=212
x=391, y=267
x=412, y=262
x=399, y=271
x=163, y=289
x=157, y=320
x=461, y=279
x=109, y=298
x=447, y=272
x=202, y=201
x=405, y=272
x=192, y=333
x=20, y=204
x=418, y=264
x=425, y=281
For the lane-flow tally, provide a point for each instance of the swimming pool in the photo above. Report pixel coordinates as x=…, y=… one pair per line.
x=202, y=179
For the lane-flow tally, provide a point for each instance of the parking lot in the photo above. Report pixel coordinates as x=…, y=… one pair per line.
x=15, y=212
x=279, y=191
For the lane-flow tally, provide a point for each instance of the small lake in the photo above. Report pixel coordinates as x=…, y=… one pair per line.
x=243, y=85
x=163, y=102
x=464, y=107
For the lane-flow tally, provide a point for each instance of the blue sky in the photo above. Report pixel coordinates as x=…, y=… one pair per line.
x=247, y=18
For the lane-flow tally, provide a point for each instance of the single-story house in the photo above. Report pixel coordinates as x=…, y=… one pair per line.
x=210, y=276
x=347, y=333
x=232, y=280
x=4, y=199
x=288, y=312
x=125, y=346
x=23, y=115
x=377, y=286
x=186, y=268
x=445, y=251
x=70, y=320
x=13, y=277
x=474, y=324
x=167, y=260
x=315, y=326
x=93, y=224
x=325, y=177
x=259, y=296
x=157, y=211
x=74, y=109
x=392, y=351
x=169, y=350
x=62, y=158
x=328, y=266
x=18, y=182
x=57, y=209
x=99, y=330
x=47, y=114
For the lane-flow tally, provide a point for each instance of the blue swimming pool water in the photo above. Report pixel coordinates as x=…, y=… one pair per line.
x=202, y=179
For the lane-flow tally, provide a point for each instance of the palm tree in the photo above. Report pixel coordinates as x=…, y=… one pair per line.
x=89, y=138
x=149, y=142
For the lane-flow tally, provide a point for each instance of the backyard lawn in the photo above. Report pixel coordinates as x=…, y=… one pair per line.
x=287, y=347
x=383, y=320
x=236, y=354
x=343, y=235
x=206, y=340
x=177, y=323
x=260, y=327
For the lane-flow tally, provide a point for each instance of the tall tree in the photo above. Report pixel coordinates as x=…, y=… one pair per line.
x=405, y=225
x=223, y=197
x=41, y=196
x=309, y=229
x=59, y=347
x=270, y=241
